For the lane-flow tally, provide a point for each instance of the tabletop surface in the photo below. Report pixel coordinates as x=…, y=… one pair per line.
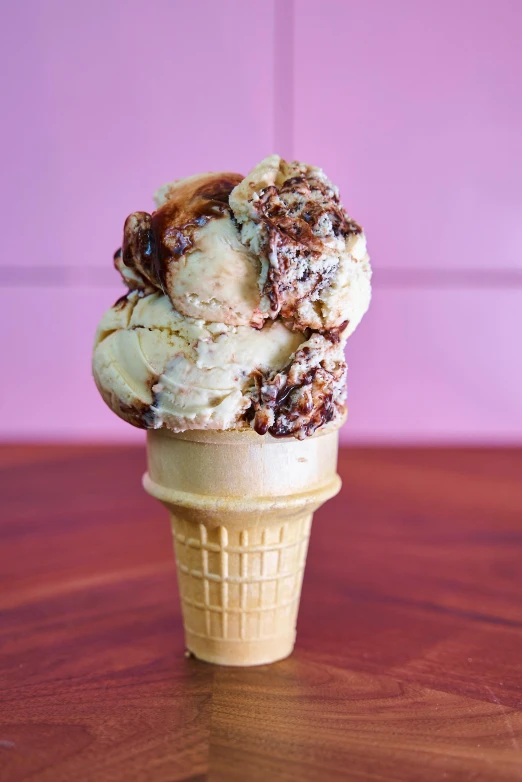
x=408, y=663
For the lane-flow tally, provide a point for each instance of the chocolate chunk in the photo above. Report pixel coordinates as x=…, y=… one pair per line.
x=298, y=222
x=305, y=395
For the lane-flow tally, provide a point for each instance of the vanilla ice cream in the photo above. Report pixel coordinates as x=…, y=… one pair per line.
x=191, y=249
x=155, y=367
x=242, y=293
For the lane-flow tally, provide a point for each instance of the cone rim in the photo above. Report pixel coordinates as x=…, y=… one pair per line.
x=203, y=502
x=245, y=434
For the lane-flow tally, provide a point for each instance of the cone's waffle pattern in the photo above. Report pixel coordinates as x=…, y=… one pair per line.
x=240, y=584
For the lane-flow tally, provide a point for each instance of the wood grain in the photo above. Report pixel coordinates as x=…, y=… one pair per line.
x=408, y=664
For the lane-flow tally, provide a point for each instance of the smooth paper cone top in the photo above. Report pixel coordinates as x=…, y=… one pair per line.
x=241, y=507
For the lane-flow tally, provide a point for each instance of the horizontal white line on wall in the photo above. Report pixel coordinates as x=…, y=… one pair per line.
x=399, y=277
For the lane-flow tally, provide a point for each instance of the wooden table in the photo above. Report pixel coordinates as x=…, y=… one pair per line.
x=408, y=664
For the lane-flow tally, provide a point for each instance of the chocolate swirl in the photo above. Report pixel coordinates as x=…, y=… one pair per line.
x=152, y=243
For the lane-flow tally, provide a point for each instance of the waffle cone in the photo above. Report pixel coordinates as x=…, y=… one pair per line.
x=241, y=509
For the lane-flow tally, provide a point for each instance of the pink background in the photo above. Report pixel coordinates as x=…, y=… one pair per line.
x=413, y=108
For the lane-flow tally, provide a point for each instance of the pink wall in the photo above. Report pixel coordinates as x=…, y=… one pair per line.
x=415, y=109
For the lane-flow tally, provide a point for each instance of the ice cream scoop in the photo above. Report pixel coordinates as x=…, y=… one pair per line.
x=156, y=367
x=191, y=250
x=315, y=267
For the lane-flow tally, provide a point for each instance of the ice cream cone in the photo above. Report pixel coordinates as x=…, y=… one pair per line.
x=241, y=509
